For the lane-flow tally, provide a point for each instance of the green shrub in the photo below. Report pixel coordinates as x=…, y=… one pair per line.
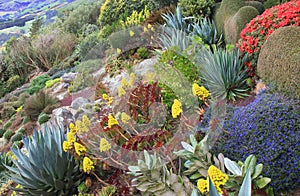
x=114, y=10
x=16, y=137
x=181, y=63
x=2, y=131
x=7, y=125
x=84, y=47
x=43, y=118
x=197, y=8
x=45, y=169
x=50, y=83
x=38, y=83
x=232, y=17
x=143, y=53
x=77, y=19
x=7, y=112
x=8, y=134
x=223, y=73
x=278, y=61
x=13, y=82
x=81, y=81
x=38, y=103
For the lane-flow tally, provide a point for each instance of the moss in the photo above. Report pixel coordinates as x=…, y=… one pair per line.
x=258, y=5
x=238, y=22
x=278, y=61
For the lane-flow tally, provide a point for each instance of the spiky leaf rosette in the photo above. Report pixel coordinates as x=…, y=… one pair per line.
x=42, y=167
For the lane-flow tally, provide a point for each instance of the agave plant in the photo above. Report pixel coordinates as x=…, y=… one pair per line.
x=207, y=31
x=174, y=38
x=177, y=21
x=224, y=73
x=42, y=167
x=154, y=178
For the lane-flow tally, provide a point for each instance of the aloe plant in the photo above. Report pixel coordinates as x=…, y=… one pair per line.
x=43, y=168
x=154, y=178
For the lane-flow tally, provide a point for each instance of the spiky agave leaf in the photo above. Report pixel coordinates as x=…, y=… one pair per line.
x=44, y=168
x=224, y=73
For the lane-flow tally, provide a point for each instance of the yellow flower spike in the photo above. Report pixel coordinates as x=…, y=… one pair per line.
x=121, y=91
x=72, y=128
x=104, y=145
x=131, y=33
x=203, y=185
x=86, y=123
x=124, y=117
x=110, y=100
x=105, y=97
x=131, y=79
x=124, y=83
x=67, y=146
x=112, y=121
x=218, y=177
x=145, y=29
x=88, y=165
x=119, y=50
x=149, y=26
x=176, y=108
x=71, y=137
x=79, y=149
x=201, y=92
x=151, y=37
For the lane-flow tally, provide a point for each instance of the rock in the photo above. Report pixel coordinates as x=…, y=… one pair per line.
x=68, y=77
x=79, y=102
x=62, y=115
x=144, y=67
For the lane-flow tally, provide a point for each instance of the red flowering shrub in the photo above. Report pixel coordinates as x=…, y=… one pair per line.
x=258, y=30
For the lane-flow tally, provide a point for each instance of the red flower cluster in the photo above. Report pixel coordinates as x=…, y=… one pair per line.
x=258, y=30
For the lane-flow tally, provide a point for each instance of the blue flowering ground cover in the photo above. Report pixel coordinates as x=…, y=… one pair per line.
x=269, y=127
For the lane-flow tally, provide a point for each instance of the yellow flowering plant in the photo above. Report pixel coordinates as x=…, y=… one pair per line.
x=104, y=145
x=87, y=165
x=176, y=108
x=79, y=148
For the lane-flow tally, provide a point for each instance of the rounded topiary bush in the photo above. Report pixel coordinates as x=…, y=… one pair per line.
x=197, y=8
x=268, y=128
x=235, y=24
x=279, y=60
x=261, y=27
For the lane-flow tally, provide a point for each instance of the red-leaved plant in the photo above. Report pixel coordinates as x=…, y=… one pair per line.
x=261, y=27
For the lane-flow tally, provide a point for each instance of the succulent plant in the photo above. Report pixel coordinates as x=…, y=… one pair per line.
x=154, y=178
x=199, y=158
x=42, y=167
x=240, y=169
